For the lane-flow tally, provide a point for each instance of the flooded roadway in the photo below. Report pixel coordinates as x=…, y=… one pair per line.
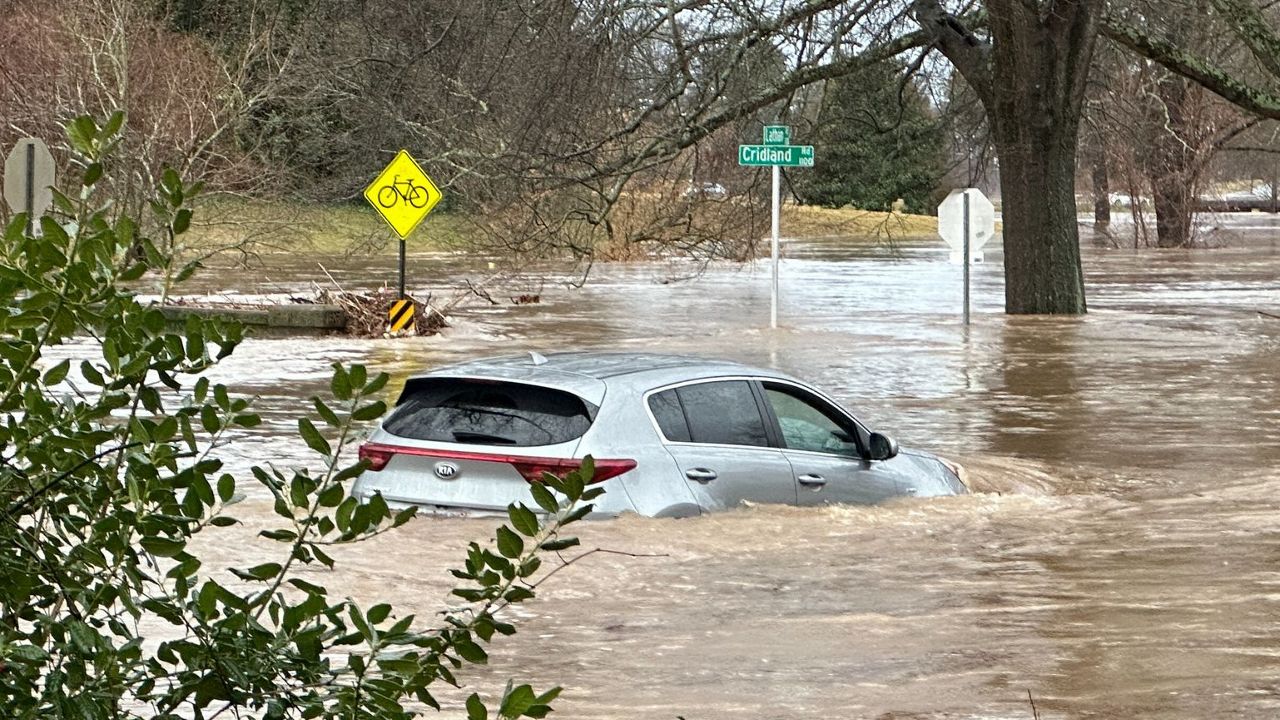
x=1121, y=558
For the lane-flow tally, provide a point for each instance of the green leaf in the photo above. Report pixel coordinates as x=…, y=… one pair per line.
x=81, y=132
x=91, y=374
x=518, y=594
x=208, y=598
x=182, y=221
x=114, y=123
x=311, y=436
x=340, y=383
x=172, y=184
x=322, y=557
x=530, y=566
x=574, y=481
x=544, y=498
x=342, y=517
x=331, y=496
x=209, y=420
x=309, y=588
x=372, y=411
x=471, y=652
x=547, y=697
x=92, y=174
x=162, y=547
x=265, y=571
x=26, y=653
x=560, y=544
x=523, y=519
x=378, y=613
x=378, y=382
x=226, y=487
x=188, y=270
x=361, y=624
x=476, y=709
x=517, y=702
x=578, y=513
x=57, y=373
x=133, y=272
x=326, y=413
x=509, y=543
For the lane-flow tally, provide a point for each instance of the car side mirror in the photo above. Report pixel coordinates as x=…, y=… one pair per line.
x=882, y=447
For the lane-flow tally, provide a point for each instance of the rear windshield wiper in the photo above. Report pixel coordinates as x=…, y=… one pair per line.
x=477, y=437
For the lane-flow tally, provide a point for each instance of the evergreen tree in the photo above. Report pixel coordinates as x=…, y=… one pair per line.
x=876, y=140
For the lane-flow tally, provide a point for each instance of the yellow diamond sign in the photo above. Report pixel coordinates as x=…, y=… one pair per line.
x=403, y=194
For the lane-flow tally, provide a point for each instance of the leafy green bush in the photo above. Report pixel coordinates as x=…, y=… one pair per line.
x=108, y=470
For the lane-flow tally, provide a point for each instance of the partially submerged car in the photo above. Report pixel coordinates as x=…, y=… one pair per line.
x=670, y=436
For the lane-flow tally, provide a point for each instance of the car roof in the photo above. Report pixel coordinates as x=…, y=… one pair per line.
x=588, y=373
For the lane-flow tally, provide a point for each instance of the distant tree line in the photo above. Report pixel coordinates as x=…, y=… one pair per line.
x=578, y=124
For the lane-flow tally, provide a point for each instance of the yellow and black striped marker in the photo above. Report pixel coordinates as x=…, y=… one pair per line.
x=401, y=315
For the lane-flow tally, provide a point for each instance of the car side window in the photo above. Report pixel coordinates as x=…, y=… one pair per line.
x=670, y=416
x=808, y=423
x=723, y=412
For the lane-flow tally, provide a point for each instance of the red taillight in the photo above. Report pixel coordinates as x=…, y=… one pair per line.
x=530, y=468
x=377, y=455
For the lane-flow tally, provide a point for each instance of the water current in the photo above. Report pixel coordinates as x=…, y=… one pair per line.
x=1120, y=557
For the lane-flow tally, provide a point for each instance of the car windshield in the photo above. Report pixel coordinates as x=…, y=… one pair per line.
x=487, y=412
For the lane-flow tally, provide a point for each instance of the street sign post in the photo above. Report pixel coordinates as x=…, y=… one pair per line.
x=966, y=221
x=403, y=195
x=28, y=180
x=776, y=152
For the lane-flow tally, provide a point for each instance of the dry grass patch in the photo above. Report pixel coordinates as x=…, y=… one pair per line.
x=872, y=226
x=642, y=227
x=229, y=224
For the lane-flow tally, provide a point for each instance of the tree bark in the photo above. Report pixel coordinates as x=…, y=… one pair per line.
x=1172, y=168
x=1101, y=188
x=1031, y=78
x=1172, y=199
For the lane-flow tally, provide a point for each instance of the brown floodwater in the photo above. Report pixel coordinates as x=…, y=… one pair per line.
x=1120, y=558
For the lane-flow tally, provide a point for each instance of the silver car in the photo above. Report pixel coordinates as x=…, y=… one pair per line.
x=670, y=435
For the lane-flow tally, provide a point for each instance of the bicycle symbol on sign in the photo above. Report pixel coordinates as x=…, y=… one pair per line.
x=415, y=195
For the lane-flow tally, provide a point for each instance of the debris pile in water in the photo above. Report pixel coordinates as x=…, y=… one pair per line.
x=366, y=314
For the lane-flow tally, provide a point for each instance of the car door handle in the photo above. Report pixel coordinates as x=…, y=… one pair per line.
x=702, y=475
x=812, y=481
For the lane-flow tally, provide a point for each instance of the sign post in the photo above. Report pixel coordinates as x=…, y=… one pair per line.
x=966, y=258
x=776, y=152
x=403, y=195
x=773, y=245
x=28, y=180
x=966, y=220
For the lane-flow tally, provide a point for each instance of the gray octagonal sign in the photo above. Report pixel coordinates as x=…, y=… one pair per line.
x=982, y=222
x=28, y=177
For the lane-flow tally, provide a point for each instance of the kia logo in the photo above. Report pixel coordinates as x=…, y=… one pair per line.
x=446, y=470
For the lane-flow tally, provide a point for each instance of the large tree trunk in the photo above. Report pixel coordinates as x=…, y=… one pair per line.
x=1031, y=79
x=1041, y=241
x=1174, y=218
x=1172, y=163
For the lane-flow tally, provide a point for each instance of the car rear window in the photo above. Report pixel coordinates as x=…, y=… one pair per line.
x=670, y=416
x=487, y=412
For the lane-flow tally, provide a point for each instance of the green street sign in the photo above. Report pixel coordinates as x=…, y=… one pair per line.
x=777, y=135
x=765, y=155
